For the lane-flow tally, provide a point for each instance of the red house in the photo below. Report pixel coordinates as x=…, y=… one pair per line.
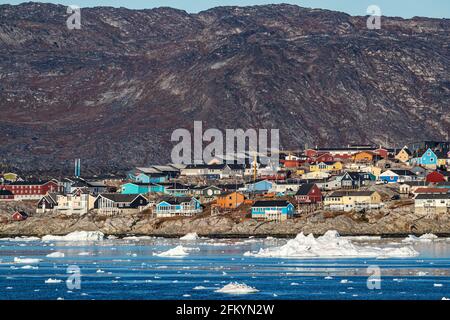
x=27, y=190
x=308, y=193
x=19, y=216
x=324, y=157
x=435, y=177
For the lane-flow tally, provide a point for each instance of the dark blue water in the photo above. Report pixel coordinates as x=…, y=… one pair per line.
x=127, y=269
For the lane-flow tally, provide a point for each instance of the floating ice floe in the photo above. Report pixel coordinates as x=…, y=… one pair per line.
x=178, y=251
x=55, y=254
x=84, y=254
x=76, y=236
x=428, y=237
x=199, y=288
x=190, y=236
x=330, y=245
x=50, y=280
x=29, y=267
x=26, y=260
x=237, y=288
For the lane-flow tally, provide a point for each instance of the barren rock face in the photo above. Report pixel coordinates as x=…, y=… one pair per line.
x=113, y=92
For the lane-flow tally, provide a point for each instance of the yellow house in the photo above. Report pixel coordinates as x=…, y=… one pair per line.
x=353, y=200
x=403, y=155
x=442, y=162
x=315, y=175
x=326, y=167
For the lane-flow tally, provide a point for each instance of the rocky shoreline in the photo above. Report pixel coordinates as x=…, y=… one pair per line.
x=397, y=222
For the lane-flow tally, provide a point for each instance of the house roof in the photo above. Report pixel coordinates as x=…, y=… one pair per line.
x=176, y=200
x=118, y=197
x=29, y=183
x=177, y=186
x=425, y=196
x=305, y=189
x=338, y=194
x=402, y=172
x=230, y=186
x=431, y=190
x=416, y=183
x=271, y=203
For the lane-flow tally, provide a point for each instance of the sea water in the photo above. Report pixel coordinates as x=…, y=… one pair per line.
x=158, y=268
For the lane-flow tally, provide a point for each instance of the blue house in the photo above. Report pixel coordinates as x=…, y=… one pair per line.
x=429, y=158
x=178, y=206
x=259, y=186
x=397, y=175
x=277, y=210
x=140, y=188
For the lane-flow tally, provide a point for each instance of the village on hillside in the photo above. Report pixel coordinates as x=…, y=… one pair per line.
x=356, y=178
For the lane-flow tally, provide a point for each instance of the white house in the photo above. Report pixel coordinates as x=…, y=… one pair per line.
x=432, y=203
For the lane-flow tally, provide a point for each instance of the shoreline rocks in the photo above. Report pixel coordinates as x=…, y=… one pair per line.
x=388, y=223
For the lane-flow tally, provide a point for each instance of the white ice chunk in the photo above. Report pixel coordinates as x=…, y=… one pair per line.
x=76, y=236
x=330, y=245
x=237, y=288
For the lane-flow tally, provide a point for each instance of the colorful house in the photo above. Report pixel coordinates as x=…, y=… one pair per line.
x=428, y=159
x=178, y=206
x=19, y=216
x=230, y=200
x=136, y=187
x=277, y=210
x=434, y=177
x=327, y=166
x=308, y=193
x=206, y=191
x=353, y=200
x=403, y=155
x=28, y=190
x=115, y=203
x=259, y=186
x=397, y=175
x=363, y=156
x=355, y=179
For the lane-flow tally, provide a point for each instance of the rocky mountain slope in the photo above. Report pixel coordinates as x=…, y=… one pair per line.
x=112, y=92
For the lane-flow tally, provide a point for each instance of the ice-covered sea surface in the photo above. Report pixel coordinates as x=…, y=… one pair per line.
x=156, y=268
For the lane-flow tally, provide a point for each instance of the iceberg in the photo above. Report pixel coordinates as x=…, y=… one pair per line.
x=76, y=236
x=55, y=254
x=190, y=236
x=237, y=288
x=428, y=237
x=178, y=251
x=330, y=245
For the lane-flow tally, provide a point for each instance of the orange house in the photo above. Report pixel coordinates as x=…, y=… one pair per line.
x=363, y=156
x=230, y=200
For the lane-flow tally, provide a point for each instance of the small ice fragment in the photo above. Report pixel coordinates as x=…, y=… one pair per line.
x=55, y=254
